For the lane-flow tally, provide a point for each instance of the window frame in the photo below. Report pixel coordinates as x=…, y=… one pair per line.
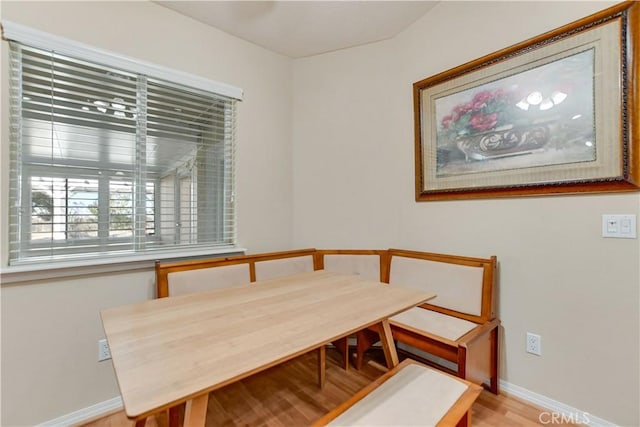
x=42, y=40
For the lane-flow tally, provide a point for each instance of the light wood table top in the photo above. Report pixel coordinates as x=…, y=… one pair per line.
x=171, y=350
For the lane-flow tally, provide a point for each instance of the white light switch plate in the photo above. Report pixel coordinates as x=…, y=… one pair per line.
x=619, y=226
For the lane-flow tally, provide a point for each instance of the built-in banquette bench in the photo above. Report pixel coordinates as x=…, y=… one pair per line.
x=459, y=325
x=410, y=394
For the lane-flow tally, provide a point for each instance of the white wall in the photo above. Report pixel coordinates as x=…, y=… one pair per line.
x=354, y=187
x=50, y=328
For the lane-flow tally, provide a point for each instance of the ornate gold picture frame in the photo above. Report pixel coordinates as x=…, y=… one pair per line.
x=556, y=114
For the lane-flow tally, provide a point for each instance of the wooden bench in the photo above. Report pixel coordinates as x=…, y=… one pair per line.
x=410, y=394
x=459, y=325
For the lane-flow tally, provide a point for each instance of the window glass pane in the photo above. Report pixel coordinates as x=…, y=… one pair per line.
x=150, y=209
x=168, y=224
x=81, y=199
x=42, y=209
x=185, y=210
x=120, y=209
x=63, y=208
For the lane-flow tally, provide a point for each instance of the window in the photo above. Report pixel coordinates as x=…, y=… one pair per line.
x=106, y=161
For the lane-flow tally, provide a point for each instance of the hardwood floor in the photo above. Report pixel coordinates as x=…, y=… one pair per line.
x=288, y=396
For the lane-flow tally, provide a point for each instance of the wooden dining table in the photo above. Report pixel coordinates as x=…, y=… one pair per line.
x=178, y=349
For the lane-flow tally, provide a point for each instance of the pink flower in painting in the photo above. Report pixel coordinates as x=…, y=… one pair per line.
x=462, y=108
x=483, y=111
x=481, y=97
x=482, y=122
x=446, y=121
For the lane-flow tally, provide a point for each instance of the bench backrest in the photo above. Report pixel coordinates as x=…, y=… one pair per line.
x=370, y=264
x=281, y=264
x=204, y=279
x=177, y=278
x=464, y=286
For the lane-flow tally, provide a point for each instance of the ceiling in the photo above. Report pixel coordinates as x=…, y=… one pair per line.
x=305, y=28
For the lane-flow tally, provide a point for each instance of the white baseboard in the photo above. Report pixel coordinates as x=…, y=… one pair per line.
x=570, y=414
x=555, y=410
x=87, y=414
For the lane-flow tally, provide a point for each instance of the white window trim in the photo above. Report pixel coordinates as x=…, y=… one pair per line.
x=115, y=263
x=62, y=269
x=43, y=40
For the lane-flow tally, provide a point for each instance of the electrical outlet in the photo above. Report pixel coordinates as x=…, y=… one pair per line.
x=534, y=344
x=103, y=350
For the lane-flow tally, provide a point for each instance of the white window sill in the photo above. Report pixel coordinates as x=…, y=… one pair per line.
x=57, y=270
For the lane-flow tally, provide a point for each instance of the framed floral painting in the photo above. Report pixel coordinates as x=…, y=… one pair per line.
x=553, y=115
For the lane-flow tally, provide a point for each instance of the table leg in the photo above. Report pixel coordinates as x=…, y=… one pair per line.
x=388, y=346
x=322, y=357
x=195, y=413
x=342, y=344
x=174, y=416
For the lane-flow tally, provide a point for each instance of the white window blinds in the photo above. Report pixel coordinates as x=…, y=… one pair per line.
x=105, y=161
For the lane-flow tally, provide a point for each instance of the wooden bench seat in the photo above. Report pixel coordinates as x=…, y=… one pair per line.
x=410, y=394
x=442, y=325
x=457, y=326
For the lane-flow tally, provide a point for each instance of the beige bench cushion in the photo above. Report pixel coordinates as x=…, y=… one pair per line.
x=458, y=287
x=205, y=279
x=439, y=324
x=414, y=396
x=271, y=269
x=367, y=266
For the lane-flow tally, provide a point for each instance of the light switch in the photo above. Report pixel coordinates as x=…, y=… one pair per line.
x=619, y=226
